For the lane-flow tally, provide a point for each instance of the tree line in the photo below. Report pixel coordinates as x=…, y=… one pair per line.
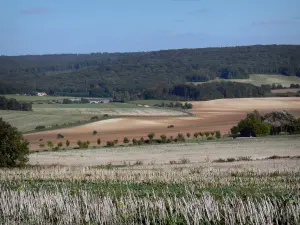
x=126, y=75
x=13, y=104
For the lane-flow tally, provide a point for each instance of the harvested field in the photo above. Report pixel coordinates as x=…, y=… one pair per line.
x=260, y=79
x=256, y=148
x=286, y=90
x=219, y=114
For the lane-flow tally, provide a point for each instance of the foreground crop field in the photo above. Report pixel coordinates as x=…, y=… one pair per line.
x=219, y=114
x=259, y=79
x=202, y=191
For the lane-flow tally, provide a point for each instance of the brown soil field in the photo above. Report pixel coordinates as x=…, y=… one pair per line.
x=212, y=115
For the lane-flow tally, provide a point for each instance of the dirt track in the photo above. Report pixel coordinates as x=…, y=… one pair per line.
x=210, y=115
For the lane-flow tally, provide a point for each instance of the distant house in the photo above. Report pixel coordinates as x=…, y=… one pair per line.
x=40, y=93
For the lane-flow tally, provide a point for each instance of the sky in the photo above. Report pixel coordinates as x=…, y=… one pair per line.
x=77, y=26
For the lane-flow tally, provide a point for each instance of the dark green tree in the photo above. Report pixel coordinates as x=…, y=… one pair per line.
x=14, y=149
x=125, y=140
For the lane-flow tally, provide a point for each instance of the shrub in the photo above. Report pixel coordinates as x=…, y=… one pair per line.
x=170, y=126
x=207, y=133
x=188, y=134
x=212, y=133
x=42, y=145
x=50, y=144
x=67, y=143
x=134, y=141
x=126, y=140
x=218, y=134
x=110, y=143
x=59, y=136
x=141, y=141
x=14, y=149
x=60, y=144
x=95, y=118
x=151, y=135
x=163, y=138
x=99, y=141
x=180, y=137
x=184, y=161
x=138, y=163
x=172, y=162
x=79, y=143
x=116, y=141
x=196, y=135
x=210, y=138
x=40, y=127
x=201, y=134
x=95, y=132
x=230, y=159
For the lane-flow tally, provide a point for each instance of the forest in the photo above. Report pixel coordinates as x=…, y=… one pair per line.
x=133, y=75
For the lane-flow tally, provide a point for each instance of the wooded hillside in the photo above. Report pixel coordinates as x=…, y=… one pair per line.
x=129, y=74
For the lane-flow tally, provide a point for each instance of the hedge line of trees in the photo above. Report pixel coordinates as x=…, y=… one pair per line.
x=206, y=91
x=13, y=104
x=125, y=75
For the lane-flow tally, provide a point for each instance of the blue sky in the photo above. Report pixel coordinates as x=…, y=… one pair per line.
x=73, y=26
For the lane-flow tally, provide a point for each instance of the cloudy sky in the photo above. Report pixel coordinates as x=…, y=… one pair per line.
x=76, y=26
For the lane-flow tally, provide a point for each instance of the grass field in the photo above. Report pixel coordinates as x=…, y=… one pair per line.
x=36, y=98
x=259, y=79
x=141, y=186
x=86, y=106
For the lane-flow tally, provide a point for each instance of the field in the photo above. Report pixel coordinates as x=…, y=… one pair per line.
x=165, y=184
x=259, y=79
x=287, y=90
x=209, y=116
x=59, y=114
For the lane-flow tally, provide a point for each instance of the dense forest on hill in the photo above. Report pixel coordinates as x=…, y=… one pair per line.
x=132, y=75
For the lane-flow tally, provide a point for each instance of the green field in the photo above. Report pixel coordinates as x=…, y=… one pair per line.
x=114, y=105
x=36, y=98
x=259, y=79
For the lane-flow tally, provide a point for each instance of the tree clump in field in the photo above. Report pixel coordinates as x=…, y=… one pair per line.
x=13, y=104
x=253, y=125
x=125, y=140
x=14, y=149
x=281, y=121
x=60, y=136
x=83, y=144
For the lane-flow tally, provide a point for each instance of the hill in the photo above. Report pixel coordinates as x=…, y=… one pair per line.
x=127, y=75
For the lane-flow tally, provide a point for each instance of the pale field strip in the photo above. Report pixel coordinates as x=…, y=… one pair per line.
x=116, y=112
x=202, y=173
x=256, y=148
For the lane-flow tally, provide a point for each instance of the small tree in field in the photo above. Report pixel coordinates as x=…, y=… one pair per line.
x=99, y=141
x=126, y=140
x=201, y=134
x=188, y=134
x=206, y=134
x=151, y=136
x=42, y=145
x=134, y=141
x=50, y=144
x=95, y=132
x=196, y=135
x=60, y=144
x=79, y=143
x=163, y=138
x=218, y=134
x=116, y=141
x=212, y=133
x=68, y=143
x=14, y=149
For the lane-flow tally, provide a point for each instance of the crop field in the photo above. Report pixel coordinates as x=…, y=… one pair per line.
x=213, y=115
x=165, y=184
x=259, y=79
x=287, y=90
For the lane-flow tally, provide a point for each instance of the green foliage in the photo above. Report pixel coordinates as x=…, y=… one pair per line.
x=13, y=104
x=252, y=125
x=50, y=144
x=42, y=145
x=218, y=134
x=151, y=135
x=170, y=126
x=60, y=144
x=134, y=141
x=67, y=143
x=112, y=74
x=99, y=141
x=14, y=149
x=110, y=143
x=60, y=136
x=188, y=134
x=125, y=140
x=95, y=132
x=40, y=127
x=207, y=133
x=196, y=134
x=83, y=144
x=163, y=138
x=116, y=141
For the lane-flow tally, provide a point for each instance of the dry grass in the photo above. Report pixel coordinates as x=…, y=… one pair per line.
x=162, y=154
